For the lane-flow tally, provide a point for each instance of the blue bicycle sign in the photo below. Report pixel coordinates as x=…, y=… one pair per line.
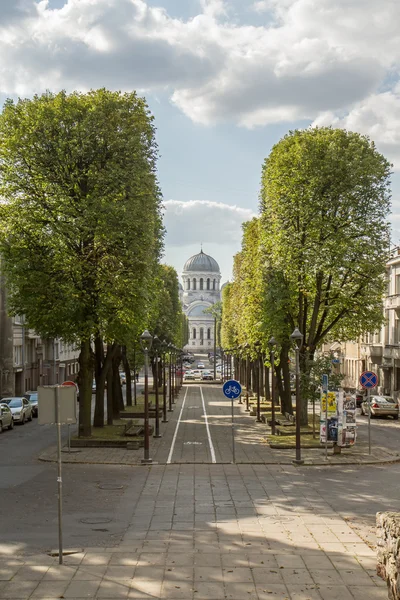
x=232, y=389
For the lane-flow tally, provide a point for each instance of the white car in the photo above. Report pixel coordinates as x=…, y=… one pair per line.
x=200, y=365
x=21, y=409
x=196, y=373
x=6, y=418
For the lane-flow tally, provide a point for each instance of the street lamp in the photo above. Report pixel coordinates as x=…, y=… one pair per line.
x=163, y=352
x=297, y=338
x=272, y=345
x=156, y=343
x=146, y=340
x=257, y=346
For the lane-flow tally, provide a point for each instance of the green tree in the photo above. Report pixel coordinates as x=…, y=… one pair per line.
x=324, y=208
x=81, y=230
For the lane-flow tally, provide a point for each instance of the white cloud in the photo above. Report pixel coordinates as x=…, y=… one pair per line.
x=378, y=116
x=197, y=221
x=313, y=58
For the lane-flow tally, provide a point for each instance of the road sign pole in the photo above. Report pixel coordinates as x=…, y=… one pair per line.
x=59, y=475
x=233, y=434
x=369, y=419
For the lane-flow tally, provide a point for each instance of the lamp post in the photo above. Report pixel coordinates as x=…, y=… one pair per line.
x=146, y=340
x=156, y=342
x=170, y=378
x=163, y=352
x=297, y=338
x=272, y=345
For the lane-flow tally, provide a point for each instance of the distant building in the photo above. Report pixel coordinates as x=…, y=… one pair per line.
x=201, y=278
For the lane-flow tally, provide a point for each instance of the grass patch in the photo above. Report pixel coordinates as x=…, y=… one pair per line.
x=108, y=432
x=289, y=441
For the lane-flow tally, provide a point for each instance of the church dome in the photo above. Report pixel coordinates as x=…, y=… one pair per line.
x=201, y=262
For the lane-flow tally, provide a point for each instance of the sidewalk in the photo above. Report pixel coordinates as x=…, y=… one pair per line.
x=212, y=532
x=250, y=444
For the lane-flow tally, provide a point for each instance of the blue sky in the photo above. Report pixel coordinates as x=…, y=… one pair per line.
x=225, y=80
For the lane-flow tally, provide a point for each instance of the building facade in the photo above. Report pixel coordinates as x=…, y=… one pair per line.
x=201, y=279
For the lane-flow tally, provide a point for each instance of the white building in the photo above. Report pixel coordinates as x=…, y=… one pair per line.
x=201, y=278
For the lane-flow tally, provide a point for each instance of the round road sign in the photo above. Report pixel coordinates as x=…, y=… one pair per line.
x=232, y=389
x=368, y=379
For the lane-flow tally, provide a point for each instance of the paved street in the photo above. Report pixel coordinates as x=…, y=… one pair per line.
x=195, y=526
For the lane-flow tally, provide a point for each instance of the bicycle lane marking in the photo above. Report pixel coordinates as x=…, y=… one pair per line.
x=212, y=451
x=176, y=429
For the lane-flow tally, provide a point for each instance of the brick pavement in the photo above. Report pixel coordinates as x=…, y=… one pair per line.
x=212, y=532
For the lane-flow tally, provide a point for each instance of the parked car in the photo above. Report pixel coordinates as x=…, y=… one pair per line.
x=207, y=375
x=20, y=407
x=189, y=376
x=123, y=378
x=6, y=418
x=381, y=406
x=197, y=373
x=32, y=397
x=360, y=398
x=200, y=365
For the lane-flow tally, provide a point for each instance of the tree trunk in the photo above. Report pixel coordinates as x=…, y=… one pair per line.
x=102, y=367
x=118, y=403
x=266, y=383
x=85, y=389
x=110, y=407
x=98, y=420
x=128, y=377
x=284, y=361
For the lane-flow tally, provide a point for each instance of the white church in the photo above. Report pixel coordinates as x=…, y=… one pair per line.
x=201, y=278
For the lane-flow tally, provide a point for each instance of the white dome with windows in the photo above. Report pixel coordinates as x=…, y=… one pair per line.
x=201, y=289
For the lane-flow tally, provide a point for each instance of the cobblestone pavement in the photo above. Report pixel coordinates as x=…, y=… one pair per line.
x=204, y=435
x=212, y=532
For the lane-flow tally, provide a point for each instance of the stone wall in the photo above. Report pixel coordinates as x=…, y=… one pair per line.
x=388, y=551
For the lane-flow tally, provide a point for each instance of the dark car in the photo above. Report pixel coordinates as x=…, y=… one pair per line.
x=360, y=398
x=33, y=399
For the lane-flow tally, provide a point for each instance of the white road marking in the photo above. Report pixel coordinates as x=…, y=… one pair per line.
x=212, y=451
x=176, y=430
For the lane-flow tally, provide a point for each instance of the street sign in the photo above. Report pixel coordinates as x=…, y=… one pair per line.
x=71, y=384
x=56, y=407
x=368, y=379
x=232, y=389
x=325, y=383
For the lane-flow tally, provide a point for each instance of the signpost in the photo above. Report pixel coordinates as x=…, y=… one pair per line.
x=325, y=384
x=368, y=380
x=57, y=405
x=74, y=385
x=232, y=390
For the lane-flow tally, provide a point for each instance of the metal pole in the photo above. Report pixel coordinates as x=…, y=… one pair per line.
x=215, y=348
x=233, y=434
x=369, y=419
x=59, y=476
x=165, y=420
x=258, y=389
x=326, y=423
x=273, y=430
x=170, y=383
x=298, y=439
x=247, y=402
x=146, y=458
x=157, y=430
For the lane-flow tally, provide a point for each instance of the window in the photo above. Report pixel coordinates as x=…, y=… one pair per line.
x=201, y=336
x=397, y=284
x=17, y=355
x=208, y=283
x=188, y=284
x=214, y=284
x=209, y=334
x=194, y=283
x=194, y=333
x=201, y=283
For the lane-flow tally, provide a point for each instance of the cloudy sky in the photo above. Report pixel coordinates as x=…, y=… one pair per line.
x=225, y=81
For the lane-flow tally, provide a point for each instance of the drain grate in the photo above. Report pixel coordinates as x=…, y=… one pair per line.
x=95, y=520
x=110, y=486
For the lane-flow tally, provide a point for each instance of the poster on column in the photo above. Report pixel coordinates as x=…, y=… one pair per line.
x=347, y=431
x=329, y=427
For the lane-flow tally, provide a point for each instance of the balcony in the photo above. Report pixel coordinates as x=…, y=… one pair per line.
x=392, y=302
x=374, y=350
